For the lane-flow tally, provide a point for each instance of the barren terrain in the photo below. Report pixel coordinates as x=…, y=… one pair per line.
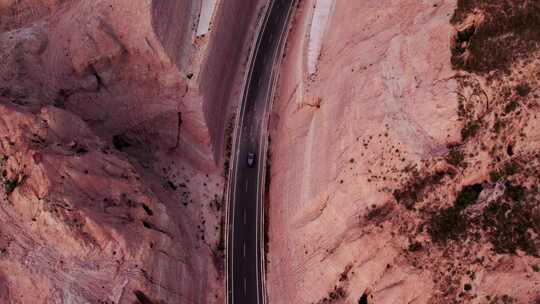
x=113, y=115
x=403, y=166
x=404, y=170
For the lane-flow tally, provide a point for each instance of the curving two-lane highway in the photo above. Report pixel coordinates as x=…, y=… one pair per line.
x=245, y=218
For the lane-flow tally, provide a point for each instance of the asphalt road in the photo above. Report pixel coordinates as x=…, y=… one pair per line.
x=245, y=244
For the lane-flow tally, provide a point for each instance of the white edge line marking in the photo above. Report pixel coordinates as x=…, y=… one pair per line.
x=263, y=142
x=236, y=141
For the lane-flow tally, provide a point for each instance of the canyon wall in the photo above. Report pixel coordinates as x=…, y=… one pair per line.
x=104, y=61
x=112, y=191
x=223, y=76
x=381, y=155
x=81, y=61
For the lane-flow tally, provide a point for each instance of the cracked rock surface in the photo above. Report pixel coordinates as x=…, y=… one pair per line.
x=112, y=119
x=381, y=161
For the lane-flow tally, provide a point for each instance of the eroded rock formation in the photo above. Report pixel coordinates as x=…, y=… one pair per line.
x=111, y=148
x=404, y=169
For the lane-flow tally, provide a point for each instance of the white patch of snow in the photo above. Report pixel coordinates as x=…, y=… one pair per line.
x=205, y=17
x=322, y=14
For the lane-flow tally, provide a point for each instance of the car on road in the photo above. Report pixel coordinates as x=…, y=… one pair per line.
x=251, y=159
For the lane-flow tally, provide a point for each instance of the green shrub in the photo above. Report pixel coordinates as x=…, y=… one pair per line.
x=511, y=106
x=415, y=246
x=504, y=299
x=508, y=227
x=509, y=32
x=379, y=213
x=447, y=224
x=337, y=294
x=469, y=130
x=515, y=192
x=451, y=223
x=10, y=185
x=497, y=127
x=455, y=157
x=509, y=169
x=523, y=89
x=468, y=196
x=495, y=176
x=414, y=190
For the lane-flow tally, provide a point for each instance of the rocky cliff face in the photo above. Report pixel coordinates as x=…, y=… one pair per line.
x=111, y=149
x=81, y=225
x=404, y=169
x=108, y=62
